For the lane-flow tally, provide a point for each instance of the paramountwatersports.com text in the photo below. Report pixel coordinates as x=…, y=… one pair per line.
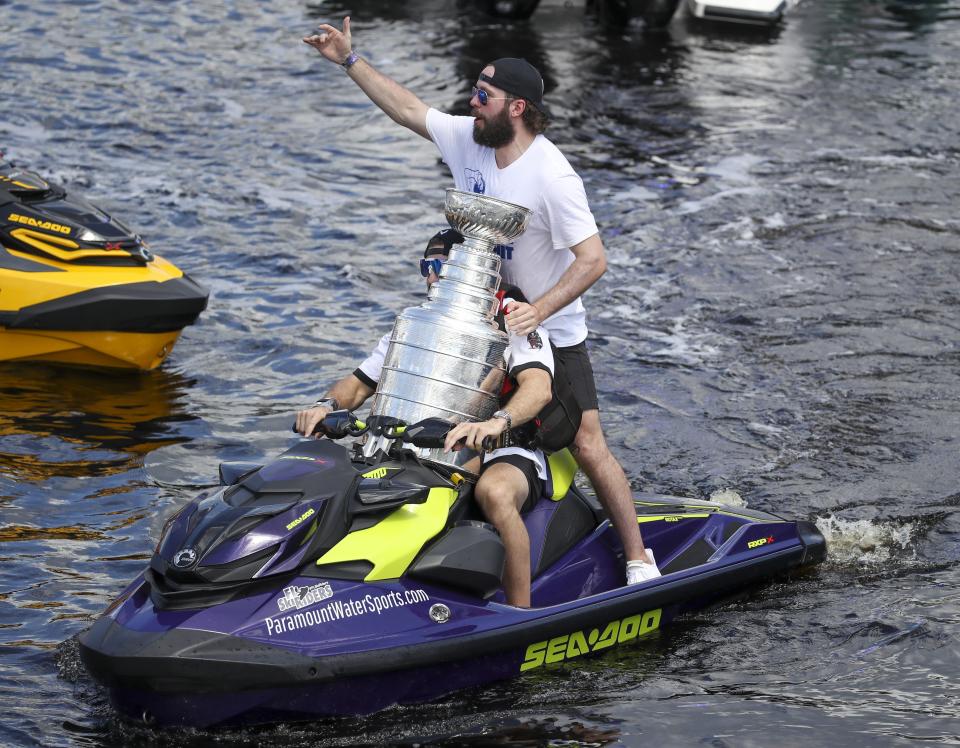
x=337, y=610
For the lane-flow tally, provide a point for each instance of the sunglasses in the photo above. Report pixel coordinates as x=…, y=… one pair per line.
x=483, y=97
x=430, y=266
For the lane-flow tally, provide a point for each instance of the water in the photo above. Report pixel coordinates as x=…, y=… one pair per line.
x=778, y=327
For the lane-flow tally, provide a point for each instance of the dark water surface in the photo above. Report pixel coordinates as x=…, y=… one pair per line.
x=779, y=326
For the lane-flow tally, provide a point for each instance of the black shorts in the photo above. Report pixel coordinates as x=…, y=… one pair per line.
x=529, y=470
x=576, y=362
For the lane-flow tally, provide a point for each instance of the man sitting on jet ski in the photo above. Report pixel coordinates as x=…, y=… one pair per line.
x=512, y=477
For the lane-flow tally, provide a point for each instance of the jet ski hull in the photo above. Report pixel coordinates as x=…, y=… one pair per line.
x=248, y=661
x=95, y=316
x=123, y=325
x=115, y=350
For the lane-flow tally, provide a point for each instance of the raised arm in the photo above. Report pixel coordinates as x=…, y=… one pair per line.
x=400, y=104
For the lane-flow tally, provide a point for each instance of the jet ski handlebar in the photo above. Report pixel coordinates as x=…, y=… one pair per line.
x=430, y=433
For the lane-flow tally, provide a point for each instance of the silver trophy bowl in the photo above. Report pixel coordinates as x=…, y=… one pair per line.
x=446, y=356
x=485, y=219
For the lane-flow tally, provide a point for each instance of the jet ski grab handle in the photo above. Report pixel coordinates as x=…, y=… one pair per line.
x=430, y=432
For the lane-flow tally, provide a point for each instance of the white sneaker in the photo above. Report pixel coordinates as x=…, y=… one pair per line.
x=640, y=571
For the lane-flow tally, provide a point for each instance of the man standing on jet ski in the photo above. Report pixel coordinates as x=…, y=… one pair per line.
x=513, y=477
x=500, y=151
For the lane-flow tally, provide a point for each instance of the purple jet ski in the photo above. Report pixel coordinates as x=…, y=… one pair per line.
x=324, y=583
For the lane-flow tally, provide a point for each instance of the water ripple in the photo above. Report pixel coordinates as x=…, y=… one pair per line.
x=778, y=325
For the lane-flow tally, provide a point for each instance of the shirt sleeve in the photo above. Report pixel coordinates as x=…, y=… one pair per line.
x=447, y=133
x=567, y=212
x=525, y=351
x=530, y=351
x=372, y=365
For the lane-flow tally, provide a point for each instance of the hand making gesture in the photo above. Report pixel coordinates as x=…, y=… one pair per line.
x=332, y=43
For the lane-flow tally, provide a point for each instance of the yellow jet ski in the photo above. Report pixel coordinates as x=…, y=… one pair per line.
x=78, y=287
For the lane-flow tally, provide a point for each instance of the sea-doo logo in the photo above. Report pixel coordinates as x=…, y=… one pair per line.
x=184, y=558
x=760, y=541
x=568, y=646
x=295, y=597
x=46, y=225
x=380, y=472
x=299, y=520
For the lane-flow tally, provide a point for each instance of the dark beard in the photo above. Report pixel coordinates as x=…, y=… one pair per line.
x=496, y=132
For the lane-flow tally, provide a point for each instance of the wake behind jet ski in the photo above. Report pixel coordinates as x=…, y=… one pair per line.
x=325, y=583
x=77, y=286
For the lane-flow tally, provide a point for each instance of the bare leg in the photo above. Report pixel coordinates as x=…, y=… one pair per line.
x=501, y=491
x=608, y=480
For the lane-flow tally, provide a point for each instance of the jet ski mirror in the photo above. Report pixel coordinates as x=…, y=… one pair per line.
x=430, y=433
x=340, y=423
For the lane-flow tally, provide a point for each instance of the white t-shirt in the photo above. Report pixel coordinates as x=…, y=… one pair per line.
x=523, y=352
x=541, y=180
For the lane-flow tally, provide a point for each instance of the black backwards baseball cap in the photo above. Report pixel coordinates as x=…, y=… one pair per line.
x=518, y=77
x=442, y=242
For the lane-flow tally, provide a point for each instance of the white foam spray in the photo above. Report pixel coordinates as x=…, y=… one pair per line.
x=866, y=542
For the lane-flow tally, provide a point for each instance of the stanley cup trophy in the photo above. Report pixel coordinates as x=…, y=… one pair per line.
x=446, y=356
